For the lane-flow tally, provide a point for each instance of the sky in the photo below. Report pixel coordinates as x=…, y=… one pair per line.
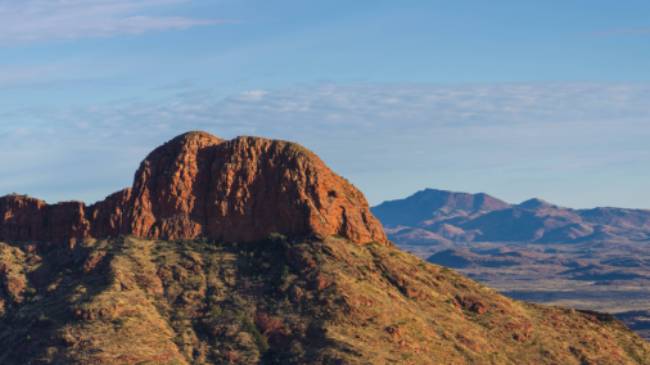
x=517, y=99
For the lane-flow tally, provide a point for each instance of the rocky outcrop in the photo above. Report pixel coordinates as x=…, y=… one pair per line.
x=170, y=192
x=262, y=186
x=28, y=219
x=109, y=217
x=198, y=185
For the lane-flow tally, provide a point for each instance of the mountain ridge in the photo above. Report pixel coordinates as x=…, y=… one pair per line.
x=533, y=220
x=198, y=185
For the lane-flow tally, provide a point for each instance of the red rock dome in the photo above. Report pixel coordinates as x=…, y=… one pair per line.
x=197, y=185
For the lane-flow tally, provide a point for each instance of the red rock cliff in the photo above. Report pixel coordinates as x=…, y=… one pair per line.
x=199, y=185
x=27, y=219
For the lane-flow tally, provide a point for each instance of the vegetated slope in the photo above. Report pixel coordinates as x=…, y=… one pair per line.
x=132, y=301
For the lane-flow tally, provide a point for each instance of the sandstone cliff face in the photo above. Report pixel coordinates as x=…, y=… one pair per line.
x=22, y=218
x=198, y=185
x=169, y=195
x=260, y=186
x=27, y=219
x=108, y=217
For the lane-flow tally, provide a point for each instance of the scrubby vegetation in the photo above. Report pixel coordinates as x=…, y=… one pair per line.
x=130, y=301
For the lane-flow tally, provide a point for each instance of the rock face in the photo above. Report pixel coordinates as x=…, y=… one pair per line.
x=262, y=186
x=28, y=219
x=170, y=192
x=198, y=185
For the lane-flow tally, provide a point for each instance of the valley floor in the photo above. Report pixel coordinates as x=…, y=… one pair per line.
x=612, y=278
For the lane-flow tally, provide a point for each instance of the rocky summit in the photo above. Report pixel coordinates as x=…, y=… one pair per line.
x=252, y=251
x=198, y=185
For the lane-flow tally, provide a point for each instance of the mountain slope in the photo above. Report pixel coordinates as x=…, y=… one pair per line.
x=132, y=301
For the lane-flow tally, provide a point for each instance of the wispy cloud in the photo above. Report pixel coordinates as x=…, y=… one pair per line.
x=485, y=135
x=559, y=111
x=37, y=20
x=386, y=109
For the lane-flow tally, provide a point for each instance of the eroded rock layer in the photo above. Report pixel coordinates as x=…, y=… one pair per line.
x=197, y=185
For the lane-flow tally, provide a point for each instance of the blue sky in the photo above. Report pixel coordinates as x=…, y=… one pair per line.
x=513, y=98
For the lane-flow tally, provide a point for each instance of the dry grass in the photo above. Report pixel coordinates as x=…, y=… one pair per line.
x=130, y=301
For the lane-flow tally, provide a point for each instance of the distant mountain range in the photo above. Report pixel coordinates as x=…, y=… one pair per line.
x=587, y=258
x=439, y=217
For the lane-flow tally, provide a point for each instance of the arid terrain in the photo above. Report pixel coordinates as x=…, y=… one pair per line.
x=597, y=259
x=133, y=301
x=252, y=251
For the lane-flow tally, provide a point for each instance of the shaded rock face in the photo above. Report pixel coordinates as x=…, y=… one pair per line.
x=109, y=217
x=198, y=185
x=27, y=219
x=170, y=191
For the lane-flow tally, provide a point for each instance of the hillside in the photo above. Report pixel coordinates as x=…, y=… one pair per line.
x=252, y=251
x=132, y=301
